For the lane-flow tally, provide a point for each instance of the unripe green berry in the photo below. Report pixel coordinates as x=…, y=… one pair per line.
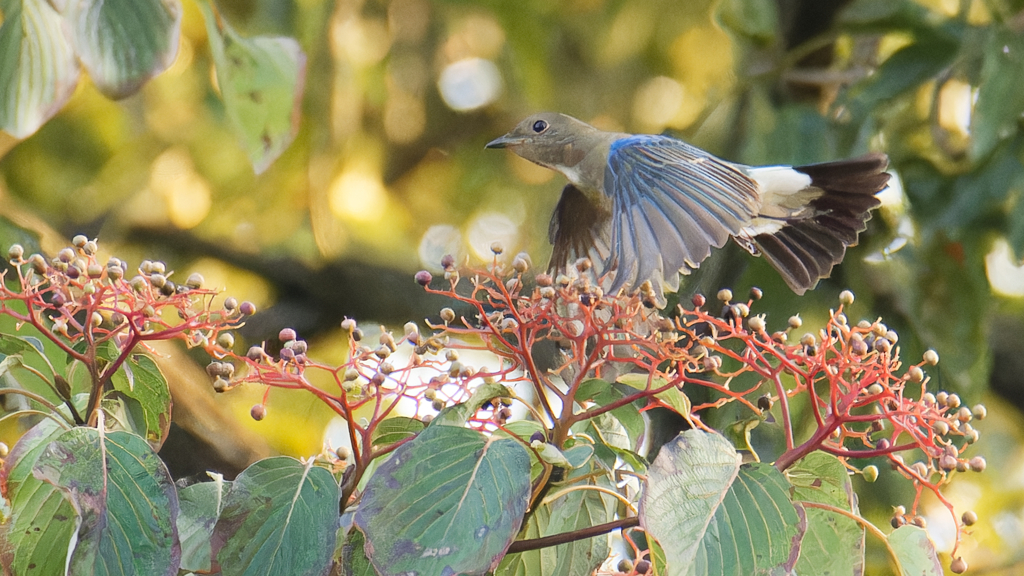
x=90, y=248
x=931, y=357
x=870, y=473
x=226, y=340
x=953, y=401
x=795, y=322
x=875, y=389
x=96, y=319
x=725, y=295
x=195, y=280
x=970, y=518
x=157, y=280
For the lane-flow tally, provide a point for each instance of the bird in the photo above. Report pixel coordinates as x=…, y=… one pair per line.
x=646, y=208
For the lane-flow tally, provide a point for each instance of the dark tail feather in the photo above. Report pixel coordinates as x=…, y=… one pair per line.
x=806, y=249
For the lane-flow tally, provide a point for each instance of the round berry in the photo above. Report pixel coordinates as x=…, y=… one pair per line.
x=258, y=412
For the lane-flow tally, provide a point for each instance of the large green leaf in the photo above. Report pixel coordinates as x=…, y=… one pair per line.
x=449, y=501
x=574, y=511
x=125, y=498
x=200, y=507
x=532, y=562
x=915, y=552
x=140, y=378
x=261, y=81
x=834, y=543
x=36, y=541
x=124, y=43
x=756, y=530
x=279, y=518
x=1000, y=98
x=685, y=486
x=38, y=69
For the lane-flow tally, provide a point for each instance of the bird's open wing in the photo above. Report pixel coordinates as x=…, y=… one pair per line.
x=671, y=202
x=578, y=229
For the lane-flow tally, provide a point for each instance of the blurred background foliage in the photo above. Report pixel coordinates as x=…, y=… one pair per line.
x=387, y=173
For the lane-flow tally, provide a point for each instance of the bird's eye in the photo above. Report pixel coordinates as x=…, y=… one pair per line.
x=540, y=126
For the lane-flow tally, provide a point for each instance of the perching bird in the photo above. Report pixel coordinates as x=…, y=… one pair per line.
x=650, y=207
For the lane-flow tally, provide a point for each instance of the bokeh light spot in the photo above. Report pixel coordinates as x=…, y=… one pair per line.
x=358, y=194
x=489, y=227
x=470, y=84
x=438, y=241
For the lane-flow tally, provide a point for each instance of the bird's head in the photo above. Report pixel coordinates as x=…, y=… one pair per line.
x=550, y=139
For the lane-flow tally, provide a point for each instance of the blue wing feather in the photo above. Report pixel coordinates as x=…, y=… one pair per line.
x=671, y=203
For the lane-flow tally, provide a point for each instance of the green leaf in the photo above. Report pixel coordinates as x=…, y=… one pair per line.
x=261, y=81
x=659, y=564
x=396, y=429
x=756, y=530
x=38, y=68
x=603, y=393
x=200, y=507
x=280, y=517
x=834, y=543
x=552, y=455
x=579, y=454
x=140, y=378
x=612, y=441
x=574, y=511
x=685, y=486
x=449, y=501
x=539, y=562
x=124, y=43
x=354, y=560
x=458, y=414
x=1000, y=100
x=916, y=553
x=10, y=344
x=43, y=520
x=754, y=19
x=124, y=497
x=905, y=70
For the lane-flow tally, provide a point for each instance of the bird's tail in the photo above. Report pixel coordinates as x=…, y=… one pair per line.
x=814, y=223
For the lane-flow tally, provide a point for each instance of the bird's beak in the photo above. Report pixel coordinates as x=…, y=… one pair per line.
x=504, y=142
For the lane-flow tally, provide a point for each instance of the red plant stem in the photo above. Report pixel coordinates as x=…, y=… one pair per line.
x=787, y=426
x=789, y=457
